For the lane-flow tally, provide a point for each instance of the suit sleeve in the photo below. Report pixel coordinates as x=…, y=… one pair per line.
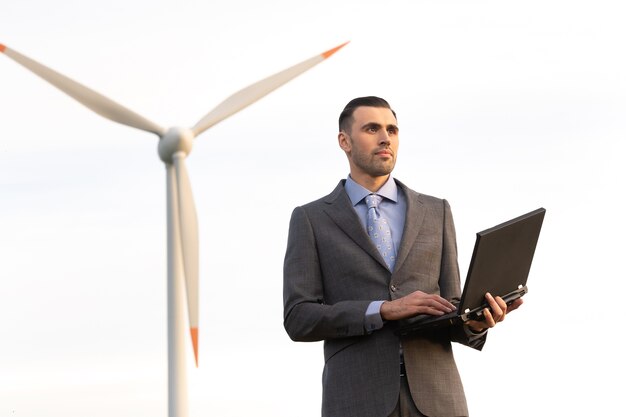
x=450, y=281
x=306, y=316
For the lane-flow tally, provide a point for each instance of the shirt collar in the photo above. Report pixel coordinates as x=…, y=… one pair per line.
x=357, y=192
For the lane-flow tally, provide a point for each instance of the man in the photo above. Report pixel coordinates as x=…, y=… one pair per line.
x=355, y=267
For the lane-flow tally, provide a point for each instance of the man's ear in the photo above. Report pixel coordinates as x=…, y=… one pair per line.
x=344, y=141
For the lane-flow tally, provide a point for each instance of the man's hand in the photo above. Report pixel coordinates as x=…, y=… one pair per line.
x=417, y=302
x=494, y=314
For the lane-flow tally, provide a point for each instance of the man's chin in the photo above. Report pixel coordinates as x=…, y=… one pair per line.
x=382, y=171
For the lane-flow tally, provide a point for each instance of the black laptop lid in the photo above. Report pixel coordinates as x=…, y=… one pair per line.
x=501, y=259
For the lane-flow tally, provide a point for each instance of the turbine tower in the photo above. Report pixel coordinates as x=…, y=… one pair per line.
x=182, y=228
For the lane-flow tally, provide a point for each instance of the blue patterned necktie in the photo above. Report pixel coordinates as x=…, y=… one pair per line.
x=379, y=231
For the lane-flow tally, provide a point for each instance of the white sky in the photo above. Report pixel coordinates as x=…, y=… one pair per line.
x=504, y=106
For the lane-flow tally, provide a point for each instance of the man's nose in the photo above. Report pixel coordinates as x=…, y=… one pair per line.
x=383, y=138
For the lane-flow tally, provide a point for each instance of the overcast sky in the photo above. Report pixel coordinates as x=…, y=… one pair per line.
x=503, y=106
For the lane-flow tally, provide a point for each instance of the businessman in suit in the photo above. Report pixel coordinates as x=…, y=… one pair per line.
x=362, y=259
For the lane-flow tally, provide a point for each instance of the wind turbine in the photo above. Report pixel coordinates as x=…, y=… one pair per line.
x=182, y=228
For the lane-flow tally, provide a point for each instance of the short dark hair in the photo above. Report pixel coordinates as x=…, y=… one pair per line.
x=346, y=119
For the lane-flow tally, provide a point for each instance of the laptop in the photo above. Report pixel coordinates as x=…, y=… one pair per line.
x=500, y=265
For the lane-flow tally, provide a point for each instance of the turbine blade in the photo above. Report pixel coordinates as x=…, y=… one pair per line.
x=189, y=244
x=91, y=99
x=254, y=92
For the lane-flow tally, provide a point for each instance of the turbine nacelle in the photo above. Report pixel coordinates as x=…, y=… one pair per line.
x=174, y=141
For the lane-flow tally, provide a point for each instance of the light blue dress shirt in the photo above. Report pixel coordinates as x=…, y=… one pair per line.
x=392, y=208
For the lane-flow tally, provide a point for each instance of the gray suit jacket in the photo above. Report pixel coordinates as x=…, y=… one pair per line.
x=333, y=271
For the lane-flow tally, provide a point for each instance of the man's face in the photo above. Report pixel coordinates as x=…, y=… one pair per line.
x=372, y=142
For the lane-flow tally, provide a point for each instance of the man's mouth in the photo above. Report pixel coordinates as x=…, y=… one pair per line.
x=384, y=152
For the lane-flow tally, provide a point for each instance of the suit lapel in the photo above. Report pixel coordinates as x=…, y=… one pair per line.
x=339, y=209
x=414, y=217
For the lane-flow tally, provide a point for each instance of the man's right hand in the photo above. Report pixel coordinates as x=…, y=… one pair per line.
x=417, y=302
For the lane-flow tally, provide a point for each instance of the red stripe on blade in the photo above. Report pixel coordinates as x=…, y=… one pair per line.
x=332, y=51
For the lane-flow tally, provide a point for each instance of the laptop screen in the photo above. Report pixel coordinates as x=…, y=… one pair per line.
x=501, y=259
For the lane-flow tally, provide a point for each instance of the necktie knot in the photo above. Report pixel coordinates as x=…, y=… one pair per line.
x=373, y=200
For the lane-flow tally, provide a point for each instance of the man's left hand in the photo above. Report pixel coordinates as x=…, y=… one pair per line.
x=496, y=313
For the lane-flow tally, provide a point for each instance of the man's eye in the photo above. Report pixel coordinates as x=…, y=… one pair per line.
x=392, y=131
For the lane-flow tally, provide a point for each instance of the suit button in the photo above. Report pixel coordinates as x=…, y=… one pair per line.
x=393, y=288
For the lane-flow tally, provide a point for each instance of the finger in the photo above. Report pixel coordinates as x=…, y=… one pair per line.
x=496, y=306
x=501, y=303
x=514, y=305
x=476, y=326
x=432, y=311
x=503, y=308
x=419, y=298
x=489, y=320
x=445, y=303
x=432, y=307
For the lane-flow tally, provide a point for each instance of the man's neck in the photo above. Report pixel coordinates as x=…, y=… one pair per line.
x=371, y=183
